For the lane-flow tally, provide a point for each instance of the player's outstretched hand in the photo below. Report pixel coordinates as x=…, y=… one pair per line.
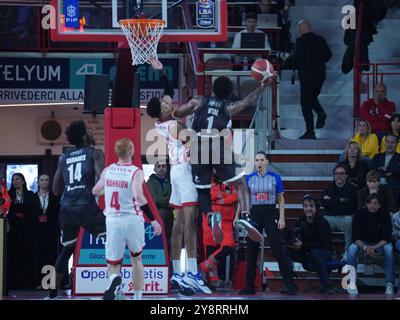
x=157, y=228
x=269, y=80
x=155, y=63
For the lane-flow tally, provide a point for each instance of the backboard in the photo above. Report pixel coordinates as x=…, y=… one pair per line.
x=97, y=21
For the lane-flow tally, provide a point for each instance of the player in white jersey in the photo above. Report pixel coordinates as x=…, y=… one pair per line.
x=122, y=186
x=183, y=196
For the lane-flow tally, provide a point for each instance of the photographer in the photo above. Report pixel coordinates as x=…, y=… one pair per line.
x=4, y=198
x=311, y=243
x=309, y=58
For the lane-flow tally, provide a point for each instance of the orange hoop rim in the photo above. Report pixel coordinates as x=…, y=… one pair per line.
x=142, y=22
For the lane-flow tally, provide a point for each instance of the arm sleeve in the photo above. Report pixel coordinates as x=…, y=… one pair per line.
x=146, y=209
x=168, y=90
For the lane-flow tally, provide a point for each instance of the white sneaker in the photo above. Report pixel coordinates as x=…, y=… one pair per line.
x=389, y=289
x=177, y=283
x=215, y=224
x=352, y=289
x=252, y=232
x=196, y=282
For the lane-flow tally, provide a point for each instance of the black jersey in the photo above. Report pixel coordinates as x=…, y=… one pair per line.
x=211, y=114
x=77, y=168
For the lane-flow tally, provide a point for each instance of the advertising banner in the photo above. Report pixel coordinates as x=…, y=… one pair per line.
x=46, y=80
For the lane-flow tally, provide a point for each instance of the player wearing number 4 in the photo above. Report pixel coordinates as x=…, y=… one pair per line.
x=125, y=203
x=74, y=179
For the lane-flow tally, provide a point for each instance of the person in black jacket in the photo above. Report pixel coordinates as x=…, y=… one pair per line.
x=388, y=166
x=21, y=238
x=309, y=58
x=374, y=186
x=372, y=235
x=340, y=203
x=312, y=242
x=48, y=233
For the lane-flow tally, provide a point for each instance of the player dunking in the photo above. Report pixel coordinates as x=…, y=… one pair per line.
x=212, y=114
x=122, y=184
x=74, y=179
x=184, y=195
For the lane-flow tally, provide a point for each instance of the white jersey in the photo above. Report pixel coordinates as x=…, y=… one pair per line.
x=118, y=194
x=177, y=151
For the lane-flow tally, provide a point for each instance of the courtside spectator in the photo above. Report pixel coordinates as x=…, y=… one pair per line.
x=21, y=237
x=388, y=166
x=47, y=207
x=5, y=201
x=160, y=190
x=374, y=186
x=367, y=140
x=395, y=125
x=311, y=244
x=224, y=198
x=358, y=167
x=372, y=235
x=396, y=232
x=340, y=203
x=378, y=110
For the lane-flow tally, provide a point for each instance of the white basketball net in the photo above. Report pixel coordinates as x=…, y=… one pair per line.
x=143, y=37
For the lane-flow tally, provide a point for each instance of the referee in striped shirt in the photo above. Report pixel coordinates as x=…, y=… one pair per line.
x=265, y=189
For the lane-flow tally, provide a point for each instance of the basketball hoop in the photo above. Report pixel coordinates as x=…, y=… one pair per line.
x=143, y=36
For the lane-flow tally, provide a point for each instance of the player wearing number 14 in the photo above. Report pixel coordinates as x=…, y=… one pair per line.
x=74, y=179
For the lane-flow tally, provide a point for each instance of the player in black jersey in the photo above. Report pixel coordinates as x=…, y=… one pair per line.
x=75, y=177
x=211, y=116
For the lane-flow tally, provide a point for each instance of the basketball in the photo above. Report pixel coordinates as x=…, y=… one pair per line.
x=262, y=69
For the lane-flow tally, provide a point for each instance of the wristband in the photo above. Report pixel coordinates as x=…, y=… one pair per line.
x=145, y=208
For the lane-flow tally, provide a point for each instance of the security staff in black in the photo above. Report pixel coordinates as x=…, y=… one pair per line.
x=75, y=178
x=309, y=58
x=211, y=117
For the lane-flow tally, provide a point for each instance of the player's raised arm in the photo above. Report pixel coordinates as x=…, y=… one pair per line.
x=240, y=105
x=188, y=107
x=157, y=65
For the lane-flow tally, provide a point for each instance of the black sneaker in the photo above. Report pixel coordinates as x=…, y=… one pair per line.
x=321, y=120
x=245, y=292
x=53, y=295
x=252, y=231
x=308, y=135
x=111, y=292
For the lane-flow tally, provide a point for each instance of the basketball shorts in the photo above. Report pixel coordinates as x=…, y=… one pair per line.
x=122, y=231
x=184, y=191
x=222, y=161
x=89, y=217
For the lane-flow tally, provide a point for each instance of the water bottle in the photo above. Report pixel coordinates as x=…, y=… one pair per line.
x=213, y=44
x=245, y=64
x=244, y=20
